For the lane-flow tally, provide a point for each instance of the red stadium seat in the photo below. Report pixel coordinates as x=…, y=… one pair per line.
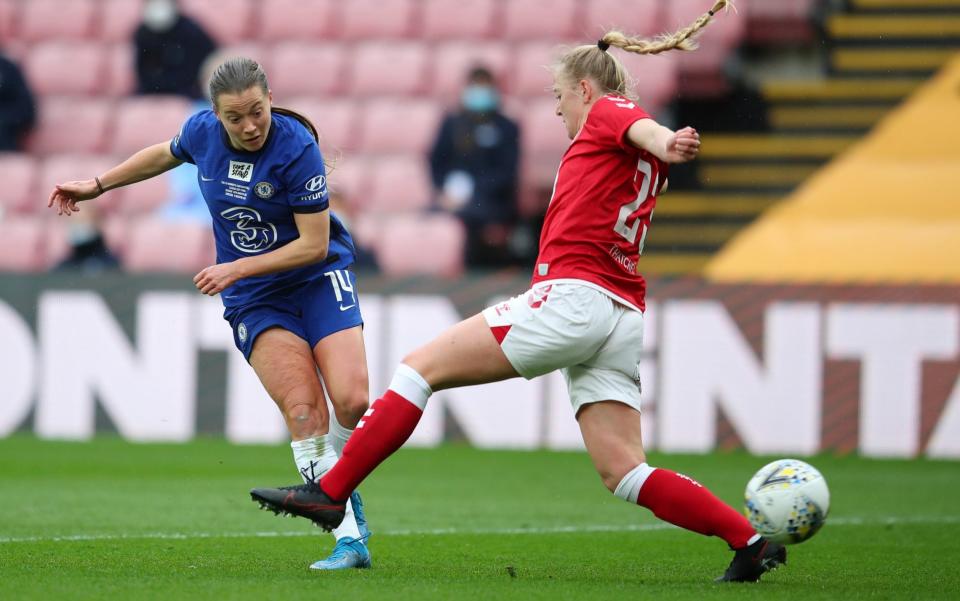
x=227, y=21
x=632, y=18
x=397, y=68
x=144, y=197
x=350, y=177
x=66, y=68
x=22, y=244
x=541, y=19
x=655, y=78
x=398, y=183
x=19, y=193
x=421, y=244
x=69, y=124
x=8, y=15
x=62, y=168
x=376, y=19
x=58, y=19
x=532, y=75
x=119, y=20
x=391, y=125
x=303, y=68
x=544, y=134
x=452, y=61
x=335, y=120
x=464, y=19
x=309, y=20
x=783, y=22
x=146, y=120
x=121, y=71
x=155, y=245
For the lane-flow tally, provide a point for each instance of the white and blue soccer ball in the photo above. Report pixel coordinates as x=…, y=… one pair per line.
x=787, y=501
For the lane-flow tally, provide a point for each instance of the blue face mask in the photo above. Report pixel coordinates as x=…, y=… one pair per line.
x=480, y=99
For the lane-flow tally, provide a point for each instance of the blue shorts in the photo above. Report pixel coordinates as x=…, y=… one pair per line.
x=313, y=311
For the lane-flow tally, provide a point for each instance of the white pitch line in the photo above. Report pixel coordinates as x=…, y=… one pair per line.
x=847, y=521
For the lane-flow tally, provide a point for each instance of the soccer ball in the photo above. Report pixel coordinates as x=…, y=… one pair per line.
x=787, y=501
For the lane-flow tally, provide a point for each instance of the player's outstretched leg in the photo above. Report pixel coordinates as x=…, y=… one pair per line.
x=752, y=561
x=305, y=500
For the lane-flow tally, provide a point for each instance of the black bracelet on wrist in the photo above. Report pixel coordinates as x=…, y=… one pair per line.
x=99, y=185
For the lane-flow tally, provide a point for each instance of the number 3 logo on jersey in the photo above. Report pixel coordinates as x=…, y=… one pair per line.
x=250, y=234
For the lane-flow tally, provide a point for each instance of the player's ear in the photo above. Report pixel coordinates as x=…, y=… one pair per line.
x=586, y=90
x=270, y=97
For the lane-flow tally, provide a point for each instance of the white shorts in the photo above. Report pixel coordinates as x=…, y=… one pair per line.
x=595, y=341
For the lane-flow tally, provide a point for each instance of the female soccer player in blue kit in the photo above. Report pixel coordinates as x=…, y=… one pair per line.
x=282, y=265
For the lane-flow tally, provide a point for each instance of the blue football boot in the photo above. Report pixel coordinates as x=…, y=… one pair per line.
x=348, y=553
x=359, y=516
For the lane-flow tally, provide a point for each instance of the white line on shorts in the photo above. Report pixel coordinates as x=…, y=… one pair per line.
x=840, y=521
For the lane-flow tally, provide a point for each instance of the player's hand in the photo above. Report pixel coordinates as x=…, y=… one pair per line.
x=215, y=279
x=66, y=196
x=683, y=146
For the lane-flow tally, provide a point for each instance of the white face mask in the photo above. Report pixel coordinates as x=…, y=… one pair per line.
x=159, y=15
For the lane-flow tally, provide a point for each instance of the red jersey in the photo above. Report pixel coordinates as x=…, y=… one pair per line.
x=603, y=199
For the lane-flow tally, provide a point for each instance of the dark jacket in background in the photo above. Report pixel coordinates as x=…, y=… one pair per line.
x=168, y=62
x=17, y=107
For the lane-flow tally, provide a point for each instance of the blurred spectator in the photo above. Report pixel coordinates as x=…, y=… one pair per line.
x=344, y=210
x=88, y=250
x=17, y=108
x=171, y=47
x=474, y=163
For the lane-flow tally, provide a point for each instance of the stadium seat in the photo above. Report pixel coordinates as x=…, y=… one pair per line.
x=783, y=22
x=543, y=131
x=376, y=19
x=66, y=68
x=8, y=15
x=452, y=60
x=227, y=21
x=398, y=183
x=389, y=125
x=632, y=18
x=144, y=197
x=155, y=245
x=464, y=19
x=121, y=71
x=350, y=177
x=303, y=68
x=655, y=78
x=61, y=168
x=392, y=68
x=367, y=230
x=19, y=193
x=335, y=120
x=422, y=245
x=258, y=51
x=531, y=73
x=119, y=20
x=311, y=20
x=68, y=124
x=540, y=19
x=57, y=20
x=146, y=120
x=22, y=244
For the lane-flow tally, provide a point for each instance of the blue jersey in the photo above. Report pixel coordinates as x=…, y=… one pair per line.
x=253, y=196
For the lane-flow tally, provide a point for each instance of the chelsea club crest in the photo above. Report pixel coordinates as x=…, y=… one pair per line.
x=264, y=190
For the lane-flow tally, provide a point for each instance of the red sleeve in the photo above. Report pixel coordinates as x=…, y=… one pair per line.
x=612, y=116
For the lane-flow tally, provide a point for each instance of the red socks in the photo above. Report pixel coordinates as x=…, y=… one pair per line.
x=384, y=428
x=684, y=502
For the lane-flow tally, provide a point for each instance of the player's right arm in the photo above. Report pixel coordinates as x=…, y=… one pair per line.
x=147, y=163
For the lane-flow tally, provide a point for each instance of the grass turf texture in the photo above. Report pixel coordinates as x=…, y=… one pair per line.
x=110, y=519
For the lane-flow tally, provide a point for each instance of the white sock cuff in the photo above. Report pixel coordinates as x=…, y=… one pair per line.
x=338, y=434
x=410, y=385
x=629, y=487
x=313, y=445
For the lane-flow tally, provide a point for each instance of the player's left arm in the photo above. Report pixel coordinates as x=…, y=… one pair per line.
x=662, y=142
x=310, y=247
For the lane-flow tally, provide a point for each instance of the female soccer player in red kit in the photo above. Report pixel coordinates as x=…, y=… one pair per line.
x=583, y=314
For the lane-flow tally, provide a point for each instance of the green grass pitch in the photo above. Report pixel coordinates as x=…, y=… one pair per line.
x=109, y=519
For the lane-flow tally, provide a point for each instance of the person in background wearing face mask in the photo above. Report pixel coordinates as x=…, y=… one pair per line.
x=474, y=165
x=89, y=253
x=171, y=47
